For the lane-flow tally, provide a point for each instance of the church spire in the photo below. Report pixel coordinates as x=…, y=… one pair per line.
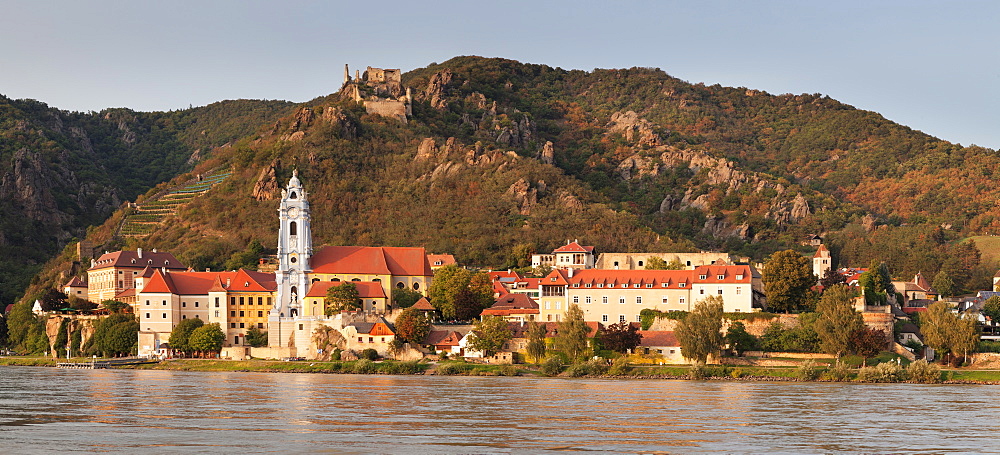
x=294, y=248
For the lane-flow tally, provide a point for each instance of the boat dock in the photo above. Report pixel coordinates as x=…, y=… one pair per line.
x=107, y=363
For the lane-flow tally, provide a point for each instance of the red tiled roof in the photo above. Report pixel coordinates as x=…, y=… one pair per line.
x=125, y=293
x=76, y=282
x=630, y=278
x=366, y=289
x=728, y=272
x=125, y=258
x=442, y=338
x=444, y=259
x=423, y=305
x=200, y=283
x=371, y=260
x=512, y=304
x=557, y=277
x=573, y=247
x=819, y=252
x=500, y=289
x=651, y=338
x=520, y=330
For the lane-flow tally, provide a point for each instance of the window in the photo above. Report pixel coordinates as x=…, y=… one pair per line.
x=548, y=305
x=638, y=318
x=666, y=300
x=587, y=285
x=576, y=299
x=242, y=302
x=681, y=300
x=587, y=300
x=624, y=285
x=371, y=339
x=604, y=318
x=232, y=314
x=720, y=277
x=739, y=290
x=649, y=285
x=616, y=264
x=689, y=263
x=621, y=318
x=293, y=227
x=663, y=284
x=147, y=315
x=242, y=313
x=300, y=326
x=701, y=291
x=196, y=304
x=232, y=325
x=197, y=317
x=635, y=285
x=682, y=285
x=216, y=313
x=604, y=299
x=739, y=277
x=260, y=314
x=399, y=285
x=416, y=286
x=164, y=315
x=360, y=340
x=576, y=285
x=236, y=339
x=260, y=325
x=702, y=277
x=720, y=291
x=184, y=304
x=638, y=300
x=600, y=285
x=216, y=302
x=164, y=302
x=241, y=325
x=232, y=301
x=147, y=302
x=268, y=301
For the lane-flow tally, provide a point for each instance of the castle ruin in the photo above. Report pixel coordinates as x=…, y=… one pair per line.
x=381, y=91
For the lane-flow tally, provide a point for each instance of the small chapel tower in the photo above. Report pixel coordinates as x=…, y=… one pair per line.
x=821, y=262
x=294, y=249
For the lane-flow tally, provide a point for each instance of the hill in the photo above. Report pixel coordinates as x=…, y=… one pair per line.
x=501, y=158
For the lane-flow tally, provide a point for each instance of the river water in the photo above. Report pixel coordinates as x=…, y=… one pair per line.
x=47, y=410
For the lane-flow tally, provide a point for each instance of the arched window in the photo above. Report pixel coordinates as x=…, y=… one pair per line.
x=315, y=280
x=334, y=279
x=416, y=286
x=400, y=285
x=293, y=195
x=356, y=279
x=377, y=280
x=295, y=290
x=293, y=228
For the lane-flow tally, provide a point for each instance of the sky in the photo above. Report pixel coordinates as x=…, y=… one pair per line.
x=931, y=65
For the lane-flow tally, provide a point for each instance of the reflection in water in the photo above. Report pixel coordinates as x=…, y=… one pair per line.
x=123, y=410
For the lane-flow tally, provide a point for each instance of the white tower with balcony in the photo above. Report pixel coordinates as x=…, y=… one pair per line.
x=294, y=250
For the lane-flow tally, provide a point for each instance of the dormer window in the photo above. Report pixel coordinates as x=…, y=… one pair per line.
x=663, y=284
x=720, y=277
x=587, y=285
x=166, y=262
x=702, y=277
x=635, y=285
x=133, y=261
x=246, y=284
x=739, y=277
x=682, y=285
x=649, y=285
x=600, y=285
x=624, y=285
x=576, y=285
x=553, y=278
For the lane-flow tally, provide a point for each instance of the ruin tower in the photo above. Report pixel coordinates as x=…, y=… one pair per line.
x=347, y=74
x=294, y=249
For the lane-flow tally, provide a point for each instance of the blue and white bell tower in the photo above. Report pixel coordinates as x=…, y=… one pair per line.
x=294, y=250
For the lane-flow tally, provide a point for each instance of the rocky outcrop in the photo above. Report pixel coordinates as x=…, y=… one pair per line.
x=514, y=133
x=548, y=153
x=427, y=150
x=266, y=186
x=569, y=201
x=29, y=185
x=785, y=212
x=524, y=195
x=436, y=89
x=720, y=228
x=635, y=129
x=638, y=166
x=341, y=123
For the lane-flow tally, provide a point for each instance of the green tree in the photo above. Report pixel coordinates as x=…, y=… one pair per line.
x=405, y=297
x=877, y=283
x=571, y=337
x=656, y=263
x=460, y=293
x=489, y=335
x=739, y=339
x=207, y=338
x=787, y=277
x=115, y=335
x=621, y=337
x=19, y=322
x=832, y=278
x=946, y=332
x=991, y=309
x=340, y=298
x=700, y=333
x=77, y=303
x=412, y=326
x=247, y=259
x=180, y=336
x=256, y=337
x=536, y=341
x=114, y=306
x=837, y=319
x=943, y=284
x=53, y=299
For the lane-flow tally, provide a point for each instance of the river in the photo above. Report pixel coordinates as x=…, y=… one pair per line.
x=47, y=410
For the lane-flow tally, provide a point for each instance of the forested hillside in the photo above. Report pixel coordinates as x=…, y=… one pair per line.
x=501, y=158
x=63, y=171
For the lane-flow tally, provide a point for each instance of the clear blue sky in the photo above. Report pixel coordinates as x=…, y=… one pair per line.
x=933, y=66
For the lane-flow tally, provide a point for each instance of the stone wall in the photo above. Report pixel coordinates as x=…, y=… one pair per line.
x=388, y=108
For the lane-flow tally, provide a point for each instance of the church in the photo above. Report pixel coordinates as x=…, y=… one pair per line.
x=288, y=303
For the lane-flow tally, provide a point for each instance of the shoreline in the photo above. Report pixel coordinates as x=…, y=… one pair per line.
x=392, y=367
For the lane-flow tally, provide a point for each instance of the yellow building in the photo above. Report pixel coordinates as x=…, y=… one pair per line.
x=372, y=297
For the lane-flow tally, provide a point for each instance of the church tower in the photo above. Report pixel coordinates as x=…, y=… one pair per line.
x=294, y=249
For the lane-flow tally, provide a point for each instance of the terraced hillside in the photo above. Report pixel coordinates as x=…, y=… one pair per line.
x=144, y=219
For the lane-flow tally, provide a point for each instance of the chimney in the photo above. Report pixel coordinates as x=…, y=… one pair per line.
x=208, y=269
x=139, y=252
x=569, y=272
x=228, y=281
x=154, y=250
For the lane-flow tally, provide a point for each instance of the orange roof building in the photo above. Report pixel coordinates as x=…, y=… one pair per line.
x=372, y=295
x=393, y=267
x=514, y=307
x=571, y=255
x=115, y=272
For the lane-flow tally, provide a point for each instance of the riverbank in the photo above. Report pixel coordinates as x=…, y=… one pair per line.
x=459, y=368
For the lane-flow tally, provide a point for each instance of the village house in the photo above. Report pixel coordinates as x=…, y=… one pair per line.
x=112, y=276
x=571, y=255
x=513, y=308
x=638, y=261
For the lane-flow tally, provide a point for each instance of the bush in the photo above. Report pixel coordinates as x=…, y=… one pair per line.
x=923, y=372
x=364, y=366
x=552, y=366
x=620, y=367
x=335, y=355
x=737, y=373
x=578, y=369
x=838, y=372
x=598, y=367
x=369, y=354
x=453, y=369
x=883, y=372
x=698, y=371
x=807, y=371
x=508, y=370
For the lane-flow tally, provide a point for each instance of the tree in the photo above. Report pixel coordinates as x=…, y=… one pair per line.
x=256, y=337
x=114, y=306
x=460, y=293
x=180, y=336
x=207, y=338
x=247, y=259
x=571, y=338
x=867, y=342
x=114, y=335
x=700, y=333
x=536, y=340
x=405, y=297
x=832, y=278
x=340, y=298
x=489, y=335
x=991, y=309
x=877, y=283
x=739, y=339
x=412, y=326
x=837, y=319
x=621, y=337
x=656, y=263
x=787, y=277
x=77, y=303
x=946, y=332
x=943, y=284
x=53, y=299
x=19, y=322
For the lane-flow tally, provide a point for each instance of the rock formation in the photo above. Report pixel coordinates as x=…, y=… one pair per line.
x=267, y=184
